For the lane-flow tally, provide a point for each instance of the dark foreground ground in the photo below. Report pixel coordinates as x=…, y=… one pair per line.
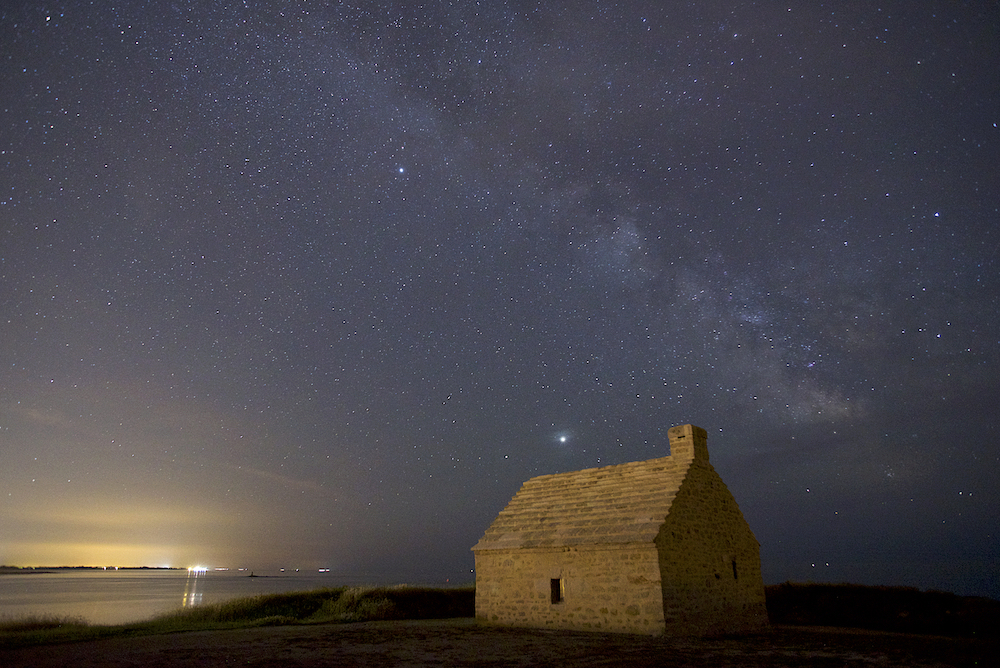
x=462, y=642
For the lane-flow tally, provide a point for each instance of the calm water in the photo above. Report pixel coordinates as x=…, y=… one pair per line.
x=116, y=597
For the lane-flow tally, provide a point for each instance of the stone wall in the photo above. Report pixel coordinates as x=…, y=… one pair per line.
x=608, y=588
x=709, y=561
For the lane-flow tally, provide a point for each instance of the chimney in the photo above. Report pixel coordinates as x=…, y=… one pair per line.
x=689, y=442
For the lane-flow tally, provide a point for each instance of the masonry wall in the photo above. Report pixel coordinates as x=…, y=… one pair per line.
x=709, y=561
x=604, y=588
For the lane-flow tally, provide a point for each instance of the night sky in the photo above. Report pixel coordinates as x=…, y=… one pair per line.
x=321, y=284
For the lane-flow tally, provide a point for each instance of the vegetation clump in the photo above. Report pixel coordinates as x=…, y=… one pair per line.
x=32, y=623
x=899, y=609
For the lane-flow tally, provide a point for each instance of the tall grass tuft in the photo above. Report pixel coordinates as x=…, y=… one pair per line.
x=358, y=604
x=31, y=623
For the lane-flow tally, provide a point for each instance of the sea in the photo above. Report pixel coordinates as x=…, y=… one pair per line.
x=130, y=595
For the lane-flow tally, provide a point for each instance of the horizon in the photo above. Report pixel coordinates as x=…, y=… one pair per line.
x=293, y=571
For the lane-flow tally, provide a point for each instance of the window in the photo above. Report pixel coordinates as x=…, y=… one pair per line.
x=557, y=590
x=735, y=577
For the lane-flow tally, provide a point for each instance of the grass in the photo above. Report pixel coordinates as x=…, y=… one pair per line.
x=900, y=609
x=321, y=606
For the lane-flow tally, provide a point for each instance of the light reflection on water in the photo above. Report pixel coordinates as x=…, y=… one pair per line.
x=191, y=594
x=117, y=597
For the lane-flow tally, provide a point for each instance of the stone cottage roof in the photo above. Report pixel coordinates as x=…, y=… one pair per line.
x=625, y=503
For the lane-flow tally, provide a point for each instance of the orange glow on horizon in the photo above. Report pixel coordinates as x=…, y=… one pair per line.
x=33, y=555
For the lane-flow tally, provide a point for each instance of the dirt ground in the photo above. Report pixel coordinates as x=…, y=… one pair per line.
x=463, y=642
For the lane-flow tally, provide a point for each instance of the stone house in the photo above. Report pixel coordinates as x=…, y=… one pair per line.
x=653, y=547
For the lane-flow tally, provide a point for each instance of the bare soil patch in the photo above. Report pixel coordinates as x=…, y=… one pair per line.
x=463, y=642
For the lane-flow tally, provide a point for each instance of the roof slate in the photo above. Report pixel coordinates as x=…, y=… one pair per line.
x=620, y=504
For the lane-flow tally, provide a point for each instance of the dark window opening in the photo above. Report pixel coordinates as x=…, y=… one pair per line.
x=557, y=590
x=735, y=577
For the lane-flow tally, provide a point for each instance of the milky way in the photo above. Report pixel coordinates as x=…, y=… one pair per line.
x=285, y=284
